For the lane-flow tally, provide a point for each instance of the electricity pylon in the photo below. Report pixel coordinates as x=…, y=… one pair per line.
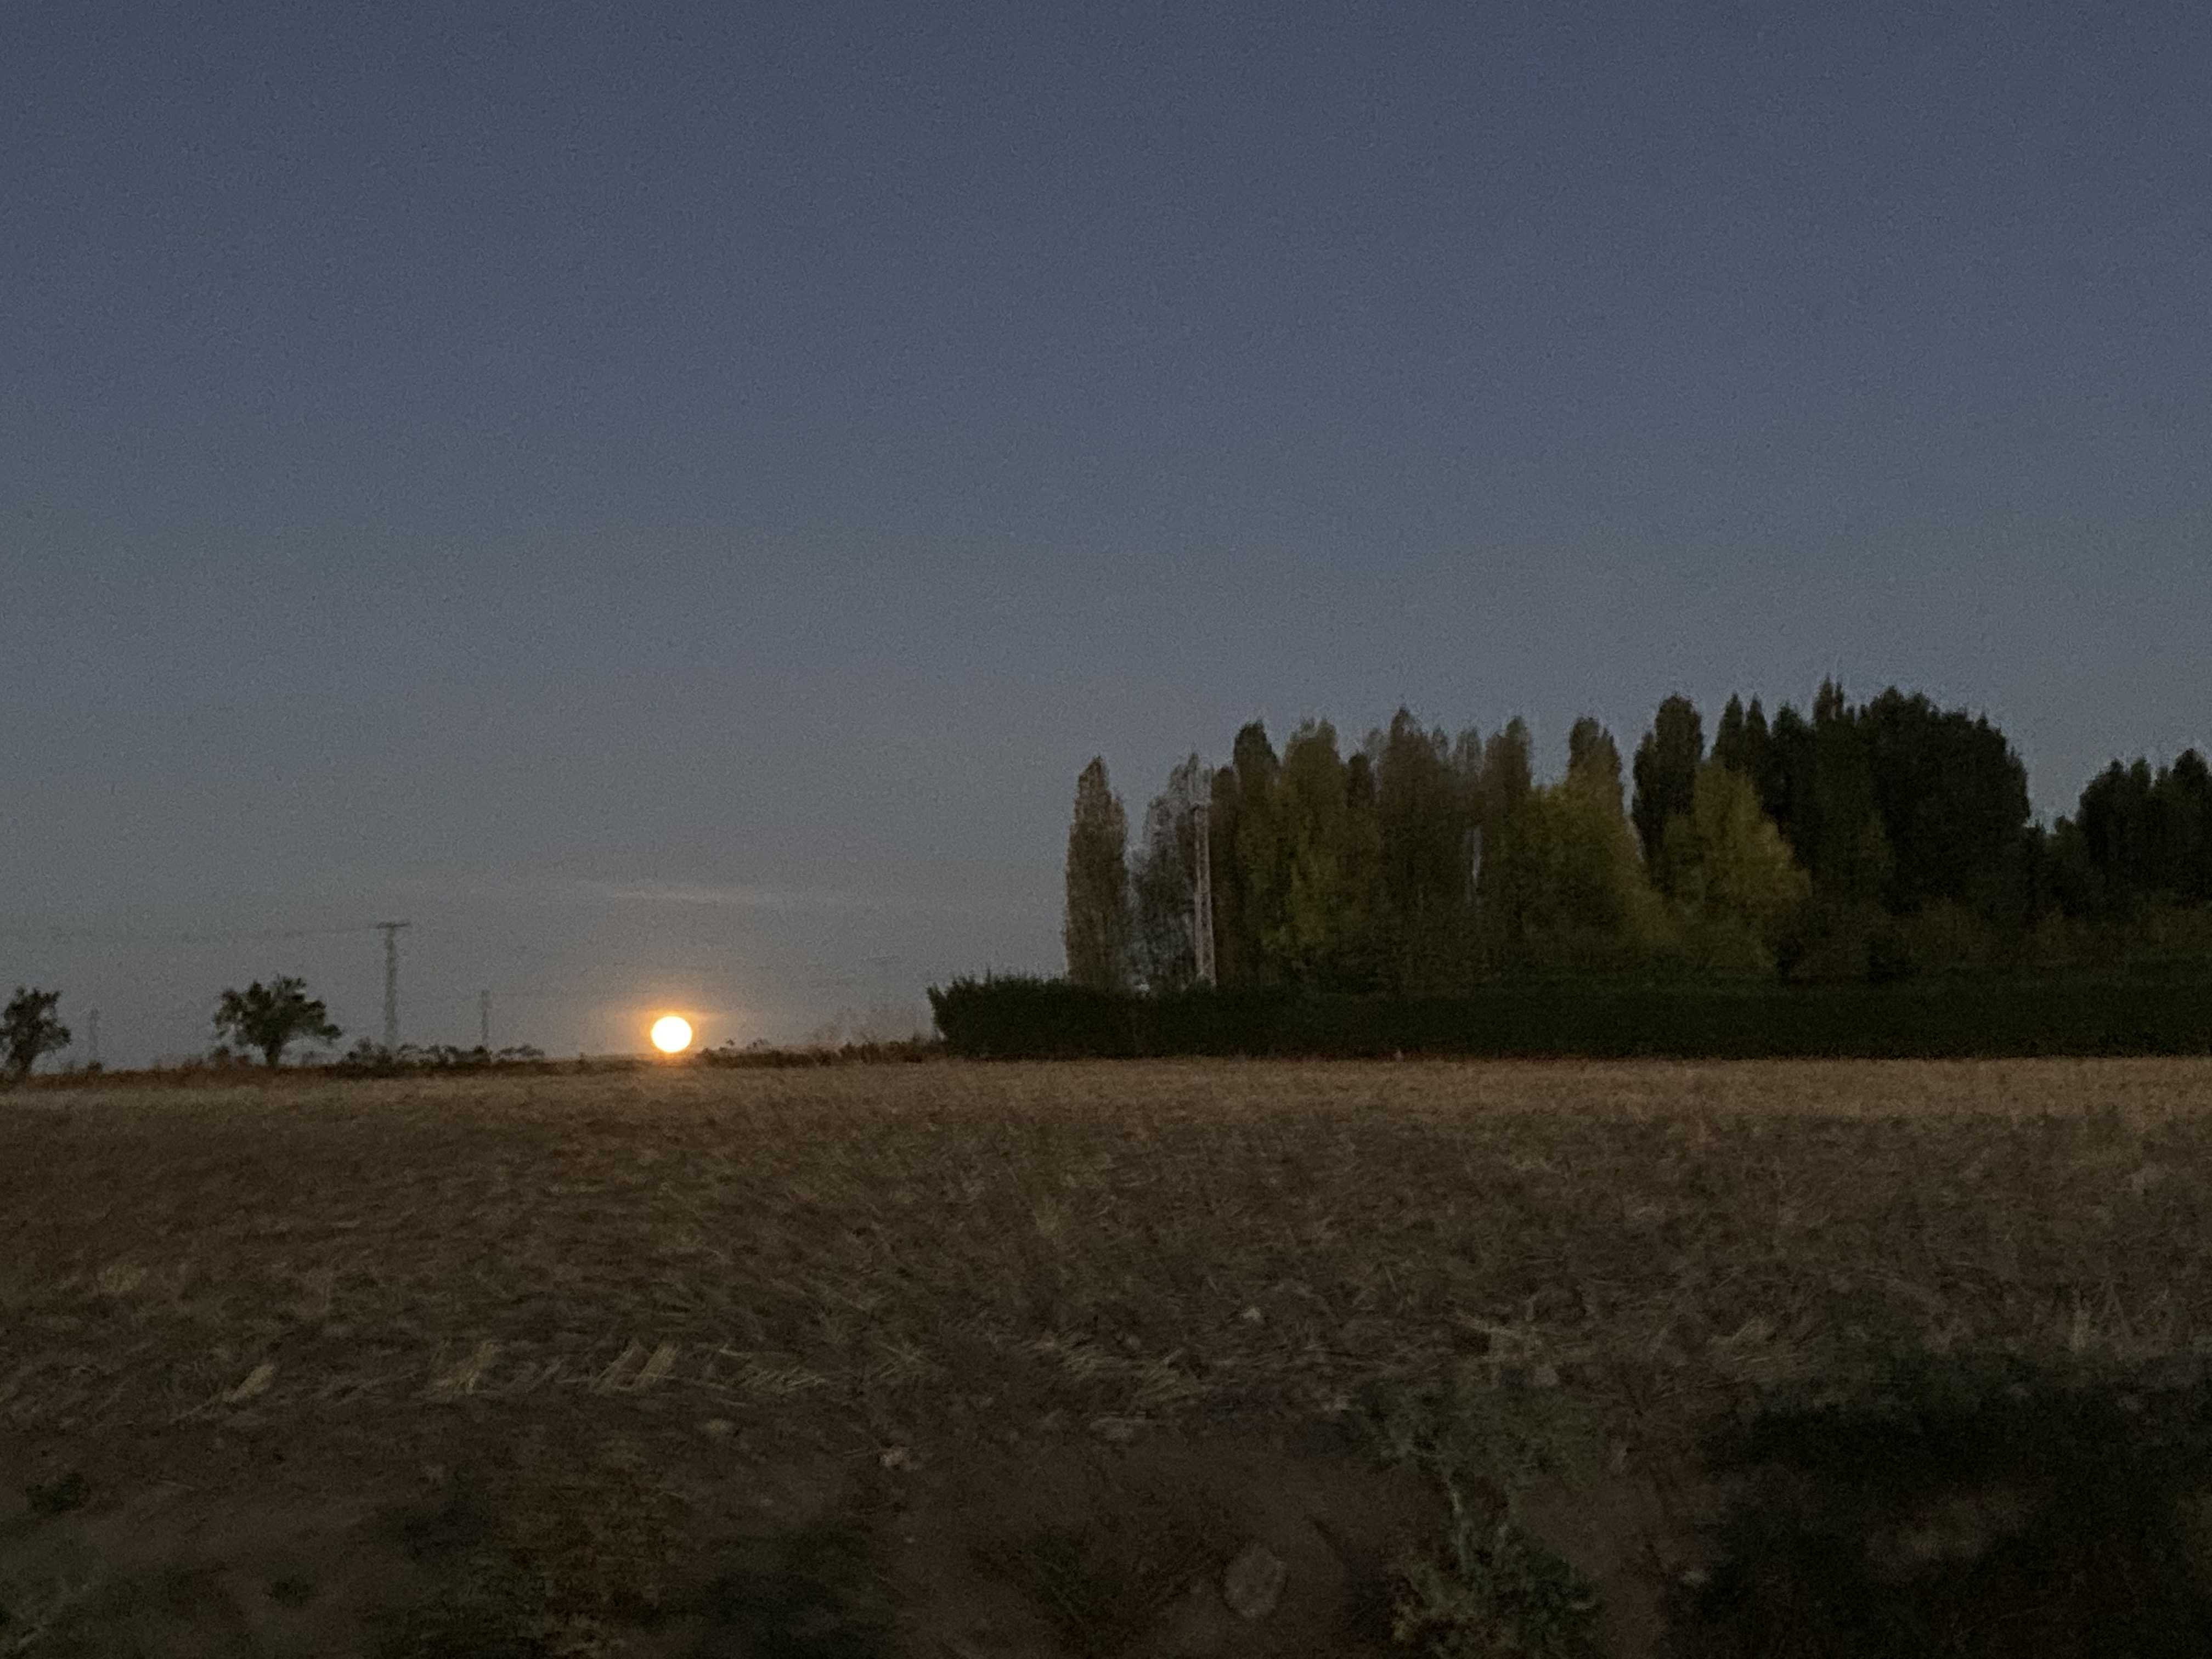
x=390, y=932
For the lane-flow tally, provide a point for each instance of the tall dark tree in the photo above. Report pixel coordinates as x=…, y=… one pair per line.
x=1261, y=876
x=1234, y=960
x=1786, y=791
x=1844, y=848
x=1594, y=759
x=1666, y=771
x=1324, y=938
x=1424, y=816
x=29, y=1030
x=1951, y=794
x=1096, y=928
x=1464, y=953
x=1743, y=744
x=1506, y=884
x=2188, y=868
x=2145, y=836
x=1166, y=880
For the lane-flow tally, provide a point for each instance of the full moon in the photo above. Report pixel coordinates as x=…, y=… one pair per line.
x=672, y=1034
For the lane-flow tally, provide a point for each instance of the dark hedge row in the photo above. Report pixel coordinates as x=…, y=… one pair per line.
x=1028, y=1019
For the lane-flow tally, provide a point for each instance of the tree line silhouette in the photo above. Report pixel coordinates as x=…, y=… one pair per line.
x=1868, y=841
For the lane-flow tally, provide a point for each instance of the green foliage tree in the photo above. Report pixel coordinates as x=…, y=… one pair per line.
x=1730, y=870
x=1096, y=928
x=1591, y=908
x=1235, y=955
x=1594, y=759
x=1507, y=877
x=270, y=1018
x=1424, y=816
x=29, y=1030
x=1329, y=845
x=1888, y=838
x=1666, y=771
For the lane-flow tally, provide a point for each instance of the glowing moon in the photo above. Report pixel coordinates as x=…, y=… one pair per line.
x=672, y=1034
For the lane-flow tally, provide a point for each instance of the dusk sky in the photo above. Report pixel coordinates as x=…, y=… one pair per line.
x=666, y=499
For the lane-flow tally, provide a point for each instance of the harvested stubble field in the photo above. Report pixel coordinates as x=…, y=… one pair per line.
x=1198, y=1357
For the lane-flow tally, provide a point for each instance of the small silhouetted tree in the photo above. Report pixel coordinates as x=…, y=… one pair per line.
x=1095, y=927
x=28, y=1030
x=271, y=1018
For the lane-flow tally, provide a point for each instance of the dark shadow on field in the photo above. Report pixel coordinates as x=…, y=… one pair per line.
x=1976, y=1506
x=796, y=1599
x=539, y=1568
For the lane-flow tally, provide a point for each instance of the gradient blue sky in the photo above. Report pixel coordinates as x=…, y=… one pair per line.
x=668, y=498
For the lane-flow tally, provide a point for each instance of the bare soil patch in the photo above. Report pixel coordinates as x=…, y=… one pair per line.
x=991, y=1360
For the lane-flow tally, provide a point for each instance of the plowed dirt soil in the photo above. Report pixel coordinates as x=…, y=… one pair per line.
x=946, y=1359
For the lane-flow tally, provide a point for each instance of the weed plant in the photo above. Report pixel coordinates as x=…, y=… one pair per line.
x=1968, y=1505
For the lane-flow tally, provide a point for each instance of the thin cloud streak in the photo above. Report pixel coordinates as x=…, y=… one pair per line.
x=744, y=897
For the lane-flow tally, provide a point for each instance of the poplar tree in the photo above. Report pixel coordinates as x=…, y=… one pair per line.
x=1728, y=867
x=1321, y=842
x=1666, y=771
x=1234, y=960
x=1166, y=882
x=1591, y=905
x=1846, y=851
x=1742, y=744
x=1594, y=759
x=1255, y=842
x=1505, y=888
x=1096, y=930
x=1423, y=822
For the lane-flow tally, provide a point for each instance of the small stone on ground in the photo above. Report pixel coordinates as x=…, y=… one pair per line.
x=1254, y=1582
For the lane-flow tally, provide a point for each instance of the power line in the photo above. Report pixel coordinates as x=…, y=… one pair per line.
x=99, y=936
